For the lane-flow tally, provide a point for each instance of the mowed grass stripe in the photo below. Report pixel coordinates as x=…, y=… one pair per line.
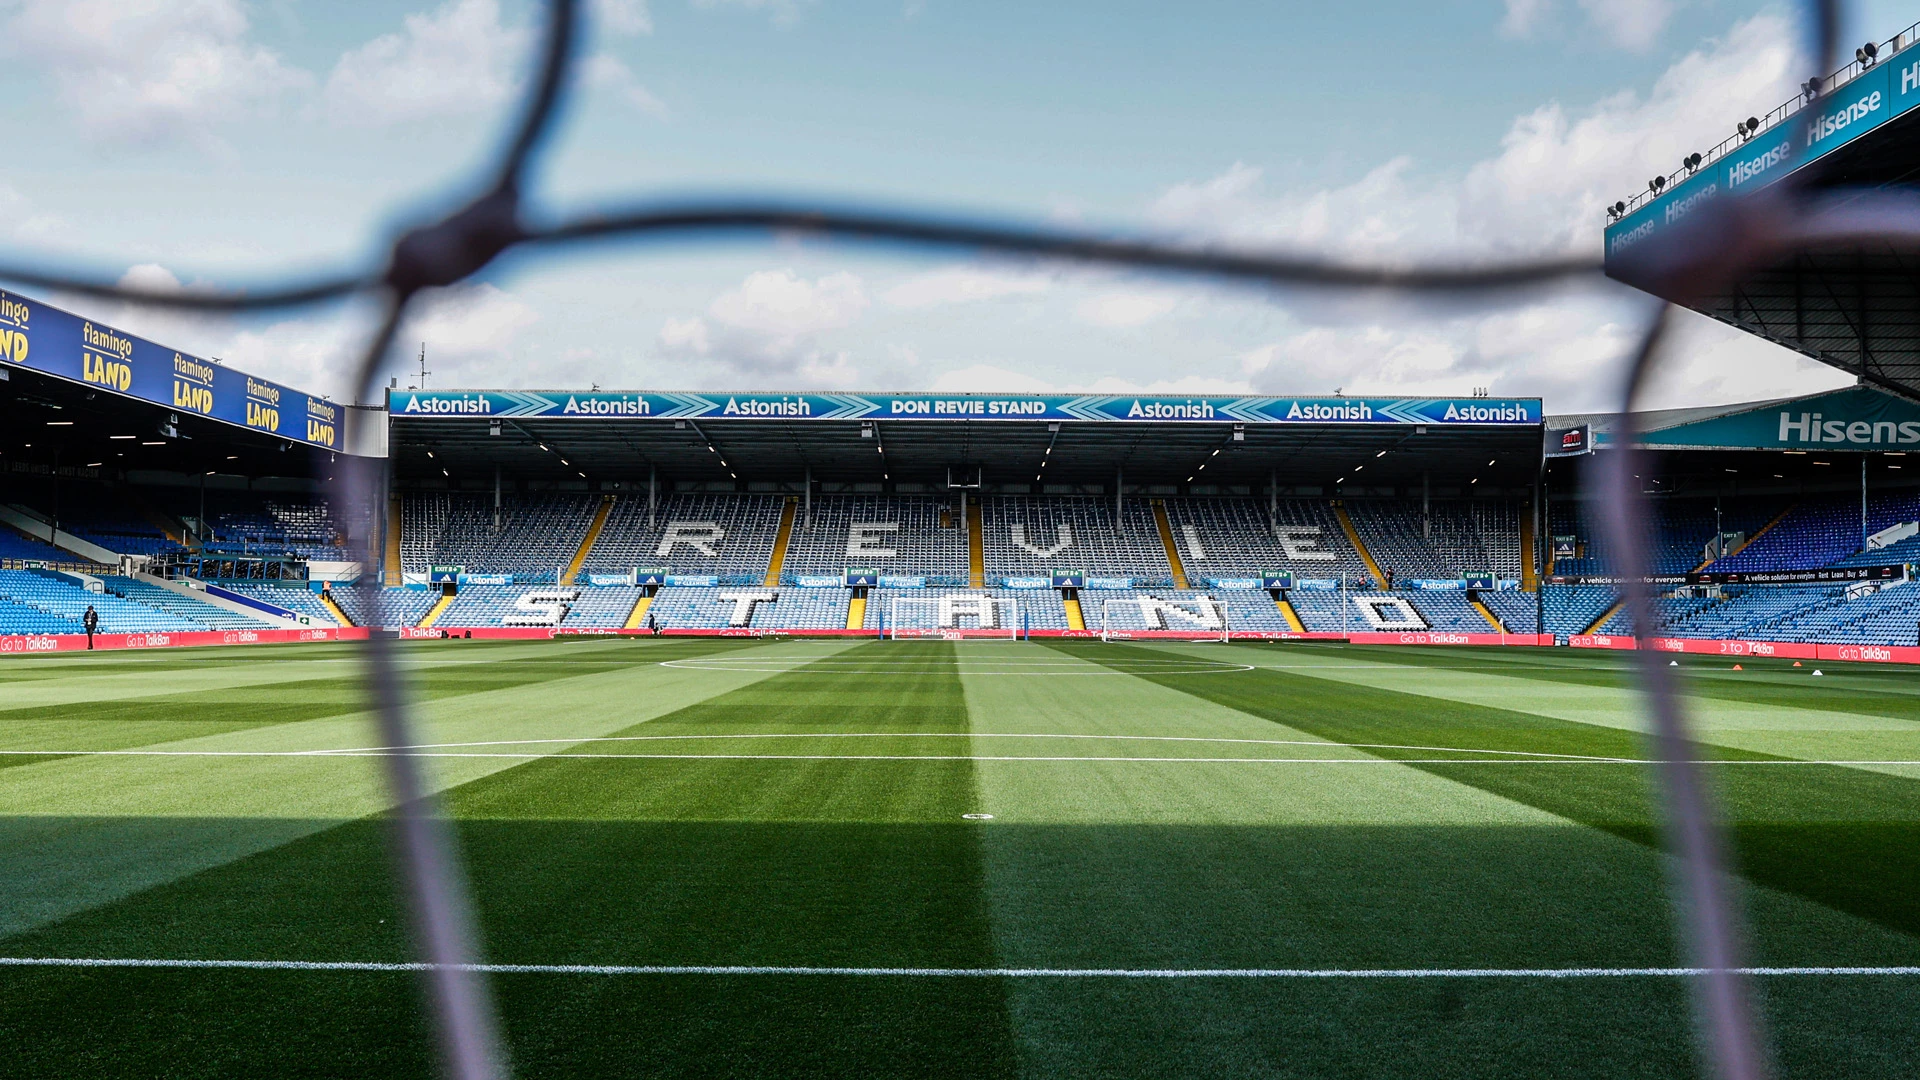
x=1866, y=689
x=120, y=723
x=1843, y=837
x=841, y=863
x=80, y=832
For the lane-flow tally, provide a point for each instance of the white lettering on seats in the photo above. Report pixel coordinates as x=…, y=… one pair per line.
x=698, y=535
x=542, y=607
x=1297, y=542
x=1196, y=612
x=1389, y=613
x=863, y=539
x=1195, y=550
x=1063, y=537
x=985, y=610
x=745, y=602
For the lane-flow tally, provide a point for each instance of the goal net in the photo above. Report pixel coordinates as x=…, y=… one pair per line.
x=1187, y=618
x=952, y=617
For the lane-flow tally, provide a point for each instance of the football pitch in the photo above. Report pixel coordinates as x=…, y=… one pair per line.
x=740, y=858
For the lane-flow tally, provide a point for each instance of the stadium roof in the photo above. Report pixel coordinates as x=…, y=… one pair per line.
x=1860, y=419
x=1855, y=306
x=1049, y=441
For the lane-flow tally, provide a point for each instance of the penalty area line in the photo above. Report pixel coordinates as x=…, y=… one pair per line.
x=943, y=973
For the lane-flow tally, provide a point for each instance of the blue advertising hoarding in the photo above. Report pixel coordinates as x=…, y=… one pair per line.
x=655, y=405
x=57, y=343
x=1869, y=100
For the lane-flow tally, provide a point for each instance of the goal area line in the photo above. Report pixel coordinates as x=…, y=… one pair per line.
x=943, y=973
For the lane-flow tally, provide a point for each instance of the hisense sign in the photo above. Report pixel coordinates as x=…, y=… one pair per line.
x=1855, y=419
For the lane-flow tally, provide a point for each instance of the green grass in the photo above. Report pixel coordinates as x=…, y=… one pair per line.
x=801, y=804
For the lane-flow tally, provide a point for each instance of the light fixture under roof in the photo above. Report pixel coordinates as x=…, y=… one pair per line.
x=123, y=436
x=59, y=423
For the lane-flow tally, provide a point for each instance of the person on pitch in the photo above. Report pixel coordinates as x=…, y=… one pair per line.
x=91, y=620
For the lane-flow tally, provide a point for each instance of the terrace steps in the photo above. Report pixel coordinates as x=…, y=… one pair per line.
x=1360, y=548
x=778, y=560
x=1605, y=615
x=1076, y=619
x=637, y=618
x=857, y=613
x=976, y=547
x=1292, y=616
x=1487, y=614
x=438, y=609
x=1166, y=539
x=586, y=542
x=334, y=609
x=394, y=519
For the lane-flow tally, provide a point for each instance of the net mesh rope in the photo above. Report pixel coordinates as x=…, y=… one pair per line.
x=1727, y=237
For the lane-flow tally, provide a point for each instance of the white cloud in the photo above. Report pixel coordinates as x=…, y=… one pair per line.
x=150, y=71
x=1634, y=25
x=994, y=379
x=609, y=75
x=988, y=379
x=771, y=325
x=459, y=58
x=1524, y=17
x=621, y=17
x=963, y=285
x=1124, y=308
x=20, y=220
x=1542, y=192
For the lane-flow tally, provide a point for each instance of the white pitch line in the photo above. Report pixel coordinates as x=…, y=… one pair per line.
x=945, y=973
x=326, y=754
x=977, y=735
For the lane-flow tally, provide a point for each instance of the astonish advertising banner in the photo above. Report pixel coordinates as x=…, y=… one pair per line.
x=1872, y=98
x=58, y=343
x=652, y=405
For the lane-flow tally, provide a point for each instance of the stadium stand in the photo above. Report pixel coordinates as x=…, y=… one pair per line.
x=1228, y=538
x=14, y=545
x=899, y=536
x=105, y=516
x=305, y=527
x=58, y=596
x=295, y=596
x=1039, y=609
x=1481, y=535
x=385, y=607
x=538, y=535
x=769, y=609
x=500, y=605
x=1518, y=612
x=1244, y=609
x=1029, y=537
x=728, y=536
x=1817, y=532
x=1571, y=609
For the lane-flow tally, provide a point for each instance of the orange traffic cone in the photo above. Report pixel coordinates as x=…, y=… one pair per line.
x=1737, y=667
x=1796, y=663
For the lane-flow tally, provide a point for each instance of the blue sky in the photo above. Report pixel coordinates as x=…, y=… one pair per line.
x=210, y=141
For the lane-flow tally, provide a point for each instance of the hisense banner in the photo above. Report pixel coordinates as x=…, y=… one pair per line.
x=1869, y=100
x=1857, y=418
x=656, y=405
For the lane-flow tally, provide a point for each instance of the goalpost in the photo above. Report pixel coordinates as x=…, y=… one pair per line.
x=1189, y=618
x=953, y=618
